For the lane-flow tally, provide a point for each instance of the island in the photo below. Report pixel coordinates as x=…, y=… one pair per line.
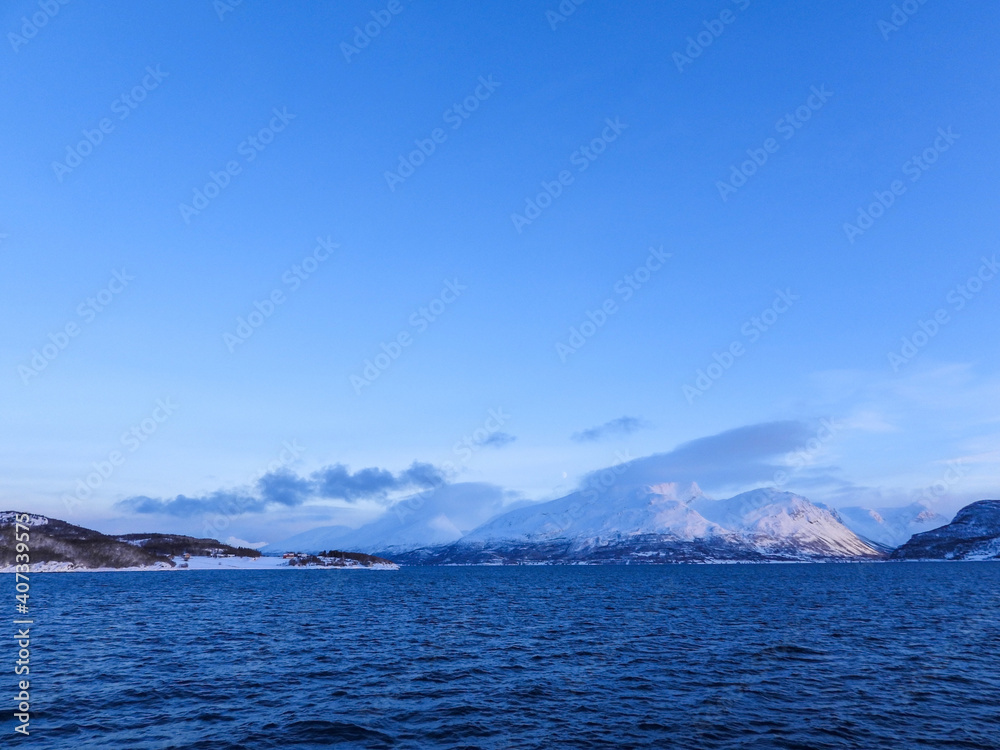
x=58, y=546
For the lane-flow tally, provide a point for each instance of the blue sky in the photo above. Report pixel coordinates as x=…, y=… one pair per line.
x=632, y=133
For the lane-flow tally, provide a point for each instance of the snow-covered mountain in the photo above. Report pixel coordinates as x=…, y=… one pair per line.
x=661, y=509
x=655, y=523
x=891, y=527
x=784, y=523
x=973, y=535
x=428, y=519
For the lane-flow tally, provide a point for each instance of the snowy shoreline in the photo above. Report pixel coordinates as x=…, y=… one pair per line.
x=279, y=564
x=197, y=563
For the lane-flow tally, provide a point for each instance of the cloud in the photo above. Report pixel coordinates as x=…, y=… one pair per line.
x=621, y=426
x=497, y=440
x=285, y=488
x=229, y=503
x=745, y=455
x=436, y=516
x=337, y=482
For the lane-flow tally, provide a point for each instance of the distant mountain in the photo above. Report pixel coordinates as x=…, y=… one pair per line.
x=428, y=519
x=655, y=524
x=973, y=535
x=782, y=523
x=55, y=541
x=891, y=527
x=313, y=540
x=52, y=540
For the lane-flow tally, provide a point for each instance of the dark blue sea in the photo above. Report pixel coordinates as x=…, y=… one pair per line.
x=677, y=656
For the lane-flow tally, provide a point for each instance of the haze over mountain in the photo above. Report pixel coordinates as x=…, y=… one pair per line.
x=437, y=516
x=645, y=523
x=891, y=527
x=424, y=502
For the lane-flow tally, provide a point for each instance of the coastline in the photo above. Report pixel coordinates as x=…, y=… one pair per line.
x=195, y=563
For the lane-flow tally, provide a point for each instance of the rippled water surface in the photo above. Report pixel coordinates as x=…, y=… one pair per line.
x=734, y=656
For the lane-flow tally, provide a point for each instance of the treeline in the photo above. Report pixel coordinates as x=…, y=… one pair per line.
x=174, y=545
x=358, y=557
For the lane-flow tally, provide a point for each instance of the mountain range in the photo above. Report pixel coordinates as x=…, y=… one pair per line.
x=891, y=527
x=666, y=522
x=661, y=523
x=974, y=534
x=52, y=540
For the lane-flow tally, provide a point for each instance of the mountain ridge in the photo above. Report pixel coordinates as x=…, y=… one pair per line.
x=666, y=522
x=54, y=541
x=974, y=534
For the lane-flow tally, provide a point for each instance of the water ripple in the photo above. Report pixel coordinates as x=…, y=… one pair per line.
x=804, y=657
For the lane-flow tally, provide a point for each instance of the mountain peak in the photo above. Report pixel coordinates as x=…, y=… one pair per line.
x=659, y=522
x=973, y=535
x=684, y=491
